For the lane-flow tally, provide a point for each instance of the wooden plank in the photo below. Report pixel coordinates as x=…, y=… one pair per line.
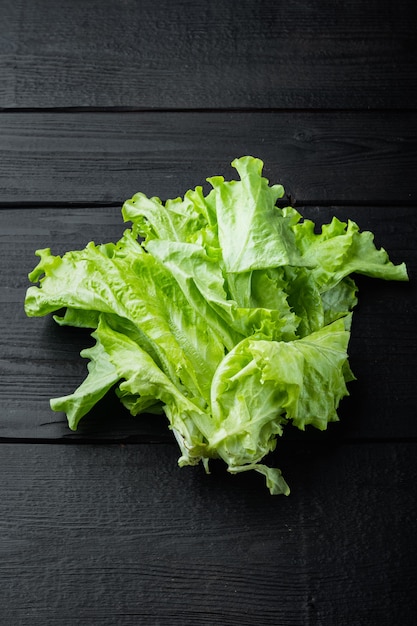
x=320, y=157
x=39, y=360
x=189, y=54
x=119, y=534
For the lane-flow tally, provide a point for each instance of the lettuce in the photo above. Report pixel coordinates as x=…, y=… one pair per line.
x=225, y=312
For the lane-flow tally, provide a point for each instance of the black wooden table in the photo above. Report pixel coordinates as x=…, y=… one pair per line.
x=100, y=99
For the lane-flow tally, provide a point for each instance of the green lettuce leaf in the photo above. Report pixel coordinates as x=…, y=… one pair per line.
x=225, y=312
x=253, y=232
x=102, y=375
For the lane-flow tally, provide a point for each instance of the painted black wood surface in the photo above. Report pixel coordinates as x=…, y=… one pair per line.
x=120, y=535
x=321, y=158
x=208, y=54
x=99, y=100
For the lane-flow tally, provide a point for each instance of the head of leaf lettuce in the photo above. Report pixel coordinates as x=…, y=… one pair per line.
x=227, y=313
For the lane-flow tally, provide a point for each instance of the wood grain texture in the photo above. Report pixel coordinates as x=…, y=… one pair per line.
x=216, y=54
x=40, y=360
x=120, y=534
x=320, y=157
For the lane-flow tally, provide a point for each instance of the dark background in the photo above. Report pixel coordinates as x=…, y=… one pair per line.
x=100, y=99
